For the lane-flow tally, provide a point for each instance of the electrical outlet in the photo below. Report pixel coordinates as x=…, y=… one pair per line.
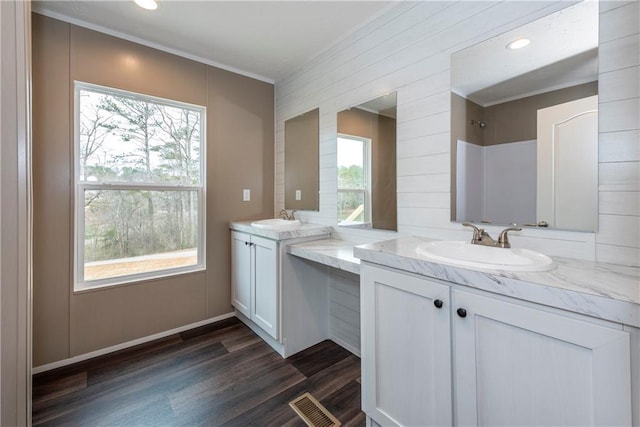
x=246, y=195
x=298, y=194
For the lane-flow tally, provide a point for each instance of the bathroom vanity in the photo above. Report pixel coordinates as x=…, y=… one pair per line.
x=283, y=316
x=443, y=345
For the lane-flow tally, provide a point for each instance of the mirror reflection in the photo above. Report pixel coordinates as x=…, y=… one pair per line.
x=301, y=161
x=367, y=165
x=524, y=136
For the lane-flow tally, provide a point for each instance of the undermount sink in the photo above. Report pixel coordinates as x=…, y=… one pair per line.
x=479, y=257
x=277, y=224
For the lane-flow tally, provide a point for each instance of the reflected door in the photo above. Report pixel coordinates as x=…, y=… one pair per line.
x=567, y=152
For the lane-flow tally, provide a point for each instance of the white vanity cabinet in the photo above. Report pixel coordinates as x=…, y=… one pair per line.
x=484, y=359
x=254, y=280
x=276, y=294
x=406, y=344
x=522, y=365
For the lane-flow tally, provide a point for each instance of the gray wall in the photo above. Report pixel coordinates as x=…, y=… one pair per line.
x=301, y=158
x=239, y=155
x=511, y=121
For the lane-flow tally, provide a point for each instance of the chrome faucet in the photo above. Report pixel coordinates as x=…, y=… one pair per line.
x=481, y=237
x=284, y=214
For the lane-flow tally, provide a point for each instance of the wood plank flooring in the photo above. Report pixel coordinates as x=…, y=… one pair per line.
x=221, y=374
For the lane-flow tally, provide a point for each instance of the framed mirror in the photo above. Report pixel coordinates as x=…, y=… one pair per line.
x=524, y=135
x=367, y=165
x=301, y=161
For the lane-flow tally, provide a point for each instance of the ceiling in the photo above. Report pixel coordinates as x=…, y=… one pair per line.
x=563, y=52
x=263, y=39
x=384, y=105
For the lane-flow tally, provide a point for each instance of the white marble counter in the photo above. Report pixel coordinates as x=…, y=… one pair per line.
x=332, y=252
x=604, y=291
x=305, y=230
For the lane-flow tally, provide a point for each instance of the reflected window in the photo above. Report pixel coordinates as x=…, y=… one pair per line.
x=354, y=198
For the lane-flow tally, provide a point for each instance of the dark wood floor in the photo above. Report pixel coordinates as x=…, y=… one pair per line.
x=219, y=374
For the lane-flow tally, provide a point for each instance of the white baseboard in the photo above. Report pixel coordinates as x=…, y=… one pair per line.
x=102, y=352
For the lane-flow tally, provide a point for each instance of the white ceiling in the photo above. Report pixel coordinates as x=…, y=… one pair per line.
x=263, y=39
x=563, y=52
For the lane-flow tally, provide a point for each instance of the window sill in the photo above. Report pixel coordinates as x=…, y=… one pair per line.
x=84, y=288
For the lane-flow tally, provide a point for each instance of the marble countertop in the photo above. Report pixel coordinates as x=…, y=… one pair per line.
x=305, y=230
x=332, y=252
x=605, y=291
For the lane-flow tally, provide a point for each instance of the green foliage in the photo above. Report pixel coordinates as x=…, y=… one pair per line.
x=351, y=177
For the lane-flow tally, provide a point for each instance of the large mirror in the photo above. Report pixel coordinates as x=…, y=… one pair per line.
x=367, y=165
x=524, y=135
x=301, y=162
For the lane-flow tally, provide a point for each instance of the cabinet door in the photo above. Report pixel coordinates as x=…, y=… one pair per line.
x=264, y=306
x=241, y=272
x=406, y=349
x=516, y=365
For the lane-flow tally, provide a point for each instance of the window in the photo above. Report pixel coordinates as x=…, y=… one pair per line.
x=140, y=186
x=354, y=201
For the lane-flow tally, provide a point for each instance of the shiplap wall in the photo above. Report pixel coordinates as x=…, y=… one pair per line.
x=407, y=49
x=344, y=309
x=618, y=237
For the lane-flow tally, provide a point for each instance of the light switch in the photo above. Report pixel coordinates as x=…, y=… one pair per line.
x=246, y=195
x=298, y=194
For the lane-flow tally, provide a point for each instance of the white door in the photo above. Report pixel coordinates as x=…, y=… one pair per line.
x=519, y=366
x=568, y=165
x=406, y=349
x=264, y=306
x=241, y=272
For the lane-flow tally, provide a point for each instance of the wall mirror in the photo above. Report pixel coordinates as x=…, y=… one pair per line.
x=524, y=133
x=301, y=161
x=367, y=165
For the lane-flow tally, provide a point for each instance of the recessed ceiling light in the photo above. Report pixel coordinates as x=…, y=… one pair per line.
x=147, y=4
x=518, y=43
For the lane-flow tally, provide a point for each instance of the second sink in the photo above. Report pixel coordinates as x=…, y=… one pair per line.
x=478, y=257
x=277, y=224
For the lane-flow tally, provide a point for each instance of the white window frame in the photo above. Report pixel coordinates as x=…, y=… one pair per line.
x=366, y=165
x=81, y=186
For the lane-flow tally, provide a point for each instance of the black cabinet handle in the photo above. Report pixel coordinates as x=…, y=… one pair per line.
x=462, y=312
x=246, y=243
x=438, y=303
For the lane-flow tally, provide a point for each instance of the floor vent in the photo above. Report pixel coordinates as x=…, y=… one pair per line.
x=312, y=412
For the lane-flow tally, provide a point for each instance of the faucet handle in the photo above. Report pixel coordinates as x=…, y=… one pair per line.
x=503, y=238
x=284, y=214
x=477, y=232
x=468, y=224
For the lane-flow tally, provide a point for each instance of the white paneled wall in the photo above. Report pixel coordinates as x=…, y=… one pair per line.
x=407, y=49
x=344, y=309
x=618, y=239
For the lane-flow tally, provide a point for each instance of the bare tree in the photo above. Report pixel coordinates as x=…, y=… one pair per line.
x=138, y=127
x=149, y=142
x=95, y=125
x=181, y=152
